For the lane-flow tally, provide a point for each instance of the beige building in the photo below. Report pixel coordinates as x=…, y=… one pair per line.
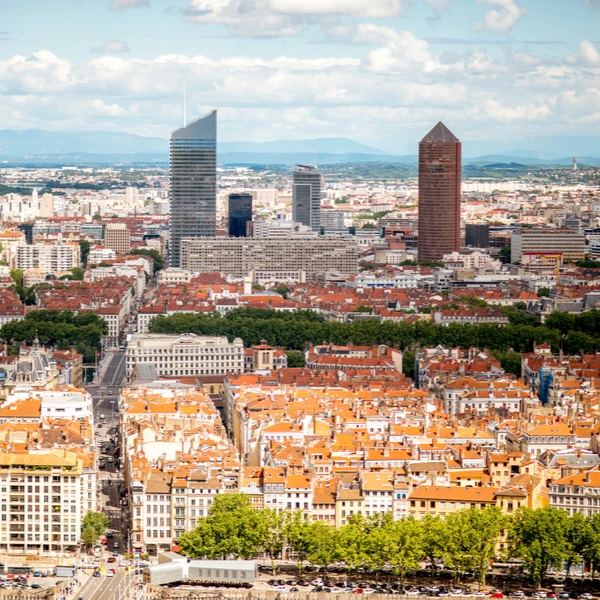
x=184, y=355
x=238, y=257
x=42, y=498
x=568, y=242
x=48, y=258
x=117, y=237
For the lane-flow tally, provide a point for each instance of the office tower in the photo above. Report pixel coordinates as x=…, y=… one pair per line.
x=541, y=241
x=117, y=237
x=193, y=183
x=306, y=196
x=477, y=235
x=240, y=214
x=439, y=193
x=46, y=206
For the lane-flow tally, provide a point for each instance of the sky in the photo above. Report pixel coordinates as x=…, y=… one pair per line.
x=381, y=72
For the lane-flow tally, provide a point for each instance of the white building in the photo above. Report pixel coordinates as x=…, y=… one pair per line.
x=184, y=355
x=48, y=258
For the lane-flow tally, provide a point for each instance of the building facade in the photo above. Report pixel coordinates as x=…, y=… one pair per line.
x=48, y=258
x=477, y=235
x=185, y=355
x=439, y=193
x=568, y=242
x=306, y=196
x=237, y=257
x=117, y=238
x=193, y=183
x=240, y=214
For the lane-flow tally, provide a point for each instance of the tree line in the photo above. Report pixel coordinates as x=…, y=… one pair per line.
x=465, y=541
x=60, y=328
x=294, y=330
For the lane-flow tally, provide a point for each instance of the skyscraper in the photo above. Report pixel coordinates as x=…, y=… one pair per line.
x=306, y=196
x=240, y=213
x=193, y=183
x=439, y=193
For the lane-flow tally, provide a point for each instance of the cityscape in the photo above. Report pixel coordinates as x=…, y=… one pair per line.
x=357, y=353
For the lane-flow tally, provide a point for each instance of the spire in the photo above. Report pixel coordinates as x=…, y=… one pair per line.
x=440, y=133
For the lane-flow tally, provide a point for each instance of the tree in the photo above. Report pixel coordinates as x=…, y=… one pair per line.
x=272, y=527
x=505, y=253
x=300, y=534
x=295, y=359
x=324, y=545
x=408, y=363
x=538, y=537
x=408, y=549
x=434, y=539
x=84, y=250
x=352, y=546
x=153, y=254
x=17, y=276
x=94, y=525
x=544, y=292
x=232, y=529
x=77, y=274
x=282, y=290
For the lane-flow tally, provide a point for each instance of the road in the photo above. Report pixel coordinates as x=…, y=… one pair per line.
x=103, y=588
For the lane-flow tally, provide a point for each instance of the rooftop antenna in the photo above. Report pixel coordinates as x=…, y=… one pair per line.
x=184, y=110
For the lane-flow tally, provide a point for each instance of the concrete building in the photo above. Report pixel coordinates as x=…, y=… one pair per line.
x=193, y=183
x=49, y=258
x=332, y=220
x=281, y=228
x=570, y=243
x=306, y=196
x=237, y=257
x=117, y=237
x=41, y=497
x=187, y=354
x=439, y=193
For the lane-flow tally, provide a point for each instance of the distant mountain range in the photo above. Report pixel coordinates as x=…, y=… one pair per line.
x=35, y=146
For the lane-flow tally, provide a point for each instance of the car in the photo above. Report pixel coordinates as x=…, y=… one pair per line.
x=37, y=574
x=564, y=596
x=115, y=553
x=99, y=426
x=282, y=588
x=110, y=573
x=272, y=582
x=294, y=589
x=111, y=559
x=116, y=545
x=109, y=534
x=496, y=594
x=586, y=596
x=123, y=563
x=36, y=586
x=335, y=590
x=517, y=594
x=413, y=592
x=317, y=582
x=97, y=574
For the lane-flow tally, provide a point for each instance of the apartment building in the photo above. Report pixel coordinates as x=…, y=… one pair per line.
x=238, y=257
x=41, y=498
x=187, y=354
x=117, y=237
x=48, y=258
x=577, y=493
x=568, y=242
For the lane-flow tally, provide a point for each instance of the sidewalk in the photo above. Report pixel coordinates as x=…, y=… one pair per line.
x=99, y=374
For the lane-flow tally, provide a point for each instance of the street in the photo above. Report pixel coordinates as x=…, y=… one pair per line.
x=103, y=588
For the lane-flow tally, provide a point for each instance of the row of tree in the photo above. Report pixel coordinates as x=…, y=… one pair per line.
x=466, y=541
x=60, y=328
x=293, y=331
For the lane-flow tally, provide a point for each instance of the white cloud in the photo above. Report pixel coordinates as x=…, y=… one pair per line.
x=588, y=55
x=501, y=19
x=395, y=91
x=284, y=17
x=123, y=4
x=361, y=8
x=112, y=47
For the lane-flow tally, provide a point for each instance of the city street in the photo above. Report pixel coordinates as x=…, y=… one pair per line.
x=104, y=588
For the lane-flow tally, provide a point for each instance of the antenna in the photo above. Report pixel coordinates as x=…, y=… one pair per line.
x=184, y=110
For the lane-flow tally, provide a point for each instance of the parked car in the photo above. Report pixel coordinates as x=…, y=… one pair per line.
x=111, y=559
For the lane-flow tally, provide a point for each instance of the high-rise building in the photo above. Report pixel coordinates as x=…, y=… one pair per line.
x=566, y=241
x=117, y=237
x=477, y=235
x=193, y=183
x=240, y=213
x=439, y=193
x=306, y=196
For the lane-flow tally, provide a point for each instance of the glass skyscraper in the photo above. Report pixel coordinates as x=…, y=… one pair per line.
x=193, y=183
x=306, y=196
x=240, y=213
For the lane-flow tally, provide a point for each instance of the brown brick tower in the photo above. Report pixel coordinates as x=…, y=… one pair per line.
x=439, y=193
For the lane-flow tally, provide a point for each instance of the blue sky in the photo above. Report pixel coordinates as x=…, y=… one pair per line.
x=378, y=71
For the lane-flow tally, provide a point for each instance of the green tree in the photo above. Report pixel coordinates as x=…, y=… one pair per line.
x=538, y=537
x=282, y=290
x=544, y=292
x=408, y=548
x=434, y=539
x=272, y=528
x=77, y=273
x=300, y=534
x=295, y=359
x=84, y=250
x=324, y=546
x=157, y=259
x=408, y=363
x=94, y=524
x=17, y=276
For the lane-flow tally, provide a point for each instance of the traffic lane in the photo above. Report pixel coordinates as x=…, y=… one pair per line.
x=115, y=371
x=104, y=590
